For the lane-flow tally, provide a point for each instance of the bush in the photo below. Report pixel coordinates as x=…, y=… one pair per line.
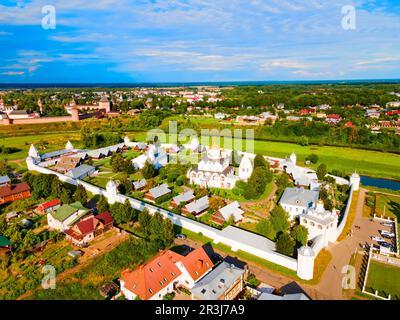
x=285, y=244
x=313, y=158
x=169, y=296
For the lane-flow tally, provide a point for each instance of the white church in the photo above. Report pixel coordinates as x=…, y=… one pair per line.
x=215, y=171
x=155, y=155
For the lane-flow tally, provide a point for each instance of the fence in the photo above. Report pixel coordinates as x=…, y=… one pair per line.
x=372, y=256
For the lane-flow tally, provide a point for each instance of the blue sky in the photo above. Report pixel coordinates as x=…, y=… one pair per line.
x=198, y=40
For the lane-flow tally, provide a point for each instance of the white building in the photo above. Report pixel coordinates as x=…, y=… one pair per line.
x=320, y=222
x=155, y=155
x=164, y=273
x=297, y=201
x=214, y=170
x=65, y=216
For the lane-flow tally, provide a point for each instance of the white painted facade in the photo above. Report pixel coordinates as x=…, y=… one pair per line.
x=214, y=170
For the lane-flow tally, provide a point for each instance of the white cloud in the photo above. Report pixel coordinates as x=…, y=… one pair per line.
x=13, y=73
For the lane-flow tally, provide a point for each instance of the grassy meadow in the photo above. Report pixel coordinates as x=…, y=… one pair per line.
x=385, y=279
x=366, y=162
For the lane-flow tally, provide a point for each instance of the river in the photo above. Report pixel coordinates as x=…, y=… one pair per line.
x=380, y=183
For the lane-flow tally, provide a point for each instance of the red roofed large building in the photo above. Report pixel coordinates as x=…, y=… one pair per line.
x=15, y=192
x=164, y=273
x=88, y=229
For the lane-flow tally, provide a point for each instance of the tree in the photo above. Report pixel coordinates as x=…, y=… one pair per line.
x=66, y=197
x=102, y=204
x=122, y=212
x=125, y=185
x=303, y=141
x=231, y=220
x=321, y=171
x=216, y=203
x=56, y=188
x=300, y=235
x=168, y=233
x=144, y=220
x=148, y=171
x=257, y=183
x=313, y=158
x=279, y=219
x=265, y=228
x=285, y=244
x=81, y=195
x=156, y=227
x=283, y=181
x=5, y=169
x=259, y=161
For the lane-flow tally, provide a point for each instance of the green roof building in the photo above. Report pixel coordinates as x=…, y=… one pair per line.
x=66, y=215
x=5, y=242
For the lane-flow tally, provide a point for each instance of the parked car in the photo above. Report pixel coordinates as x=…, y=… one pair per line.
x=385, y=250
x=387, y=234
x=180, y=237
x=387, y=224
x=386, y=245
x=378, y=239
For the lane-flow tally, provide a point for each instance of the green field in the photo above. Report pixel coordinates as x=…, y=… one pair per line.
x=385, y=279
x=388, y=205
x=371, y=163
x=366, y=162
x=44, y=142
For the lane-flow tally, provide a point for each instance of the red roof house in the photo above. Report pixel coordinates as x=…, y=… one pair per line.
x=333, y=118
x=164, y=273
x=88, y=229
x=49, y=206
x=15, y=192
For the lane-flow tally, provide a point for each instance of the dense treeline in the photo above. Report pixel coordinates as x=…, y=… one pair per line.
x=94, y=139
x=300, y=96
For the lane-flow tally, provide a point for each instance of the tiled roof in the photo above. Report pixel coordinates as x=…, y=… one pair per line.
x=232, y=209
x=139, y=184
x=80, y=171
x=4, y=241
x=198, y=206
x=153, y=276
x=54, y=154
x=14, y=189
x=197, y=263
x=49, y=204
x=217, y=282
x=299, y=197
x=184, y=197
x=160, y=190
x=65, y=211
x=4, y=179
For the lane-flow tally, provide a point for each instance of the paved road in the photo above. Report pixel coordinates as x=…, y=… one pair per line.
x=331, y=282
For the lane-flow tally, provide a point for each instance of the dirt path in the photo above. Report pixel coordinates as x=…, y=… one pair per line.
x=341, y=252
x=98, y=249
